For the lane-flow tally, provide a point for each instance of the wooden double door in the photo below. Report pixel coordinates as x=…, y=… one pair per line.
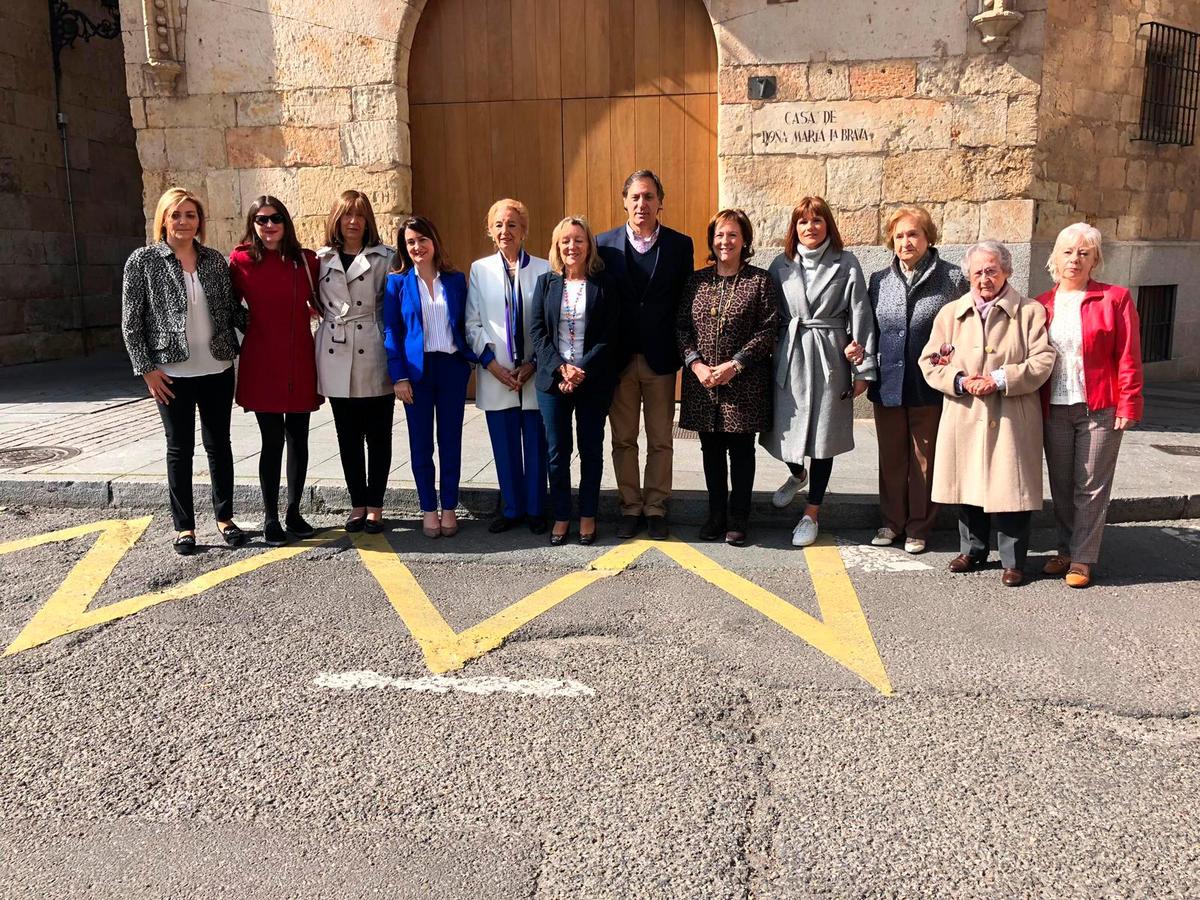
x=554, y=103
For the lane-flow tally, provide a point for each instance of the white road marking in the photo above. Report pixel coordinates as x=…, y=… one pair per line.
x=443, y=684
x=867, y=558
x=1189, y=535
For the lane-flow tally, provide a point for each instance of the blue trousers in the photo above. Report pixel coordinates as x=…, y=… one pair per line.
x=438, y=401
x=590, y=410
x=519, y=445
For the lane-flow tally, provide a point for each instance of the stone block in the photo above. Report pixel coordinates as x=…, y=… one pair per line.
x=999, y=173
x=137, y=112
x=1196, y=225
x=960, y=222
x=1007, y=220
x=1001, y=75
x=1112, y=173
x=791, y=82
x=277, y=145
x=1177, y=202
x=859, y=227
x=925, y=176
x=374, y=144
x=1114, y=202
x=733, y=129
x=16, y=349
x=56, y=345
x=318, y=187
x=278, y=182
x=876, y=81
x=12, y=311
x=768, y=193
x=259, y=108
x=1022, y=120
x=854, y=182
x=829, y=81
x=19, y=247
x=378, y=101
x=152, y=148
x=837, y=128
x=224, y=194
x=317, y=107
x=191, y=111
x=195, y=148
x=981, y=121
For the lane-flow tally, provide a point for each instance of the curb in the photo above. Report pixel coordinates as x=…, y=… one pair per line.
x=848, y=511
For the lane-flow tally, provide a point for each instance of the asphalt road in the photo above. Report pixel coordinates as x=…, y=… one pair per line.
x=650, y=736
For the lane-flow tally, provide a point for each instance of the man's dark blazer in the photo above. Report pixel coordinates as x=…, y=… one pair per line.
x=648, y=321
x=602, y=318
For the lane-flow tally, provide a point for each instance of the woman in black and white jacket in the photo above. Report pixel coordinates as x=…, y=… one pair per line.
x=178, y=319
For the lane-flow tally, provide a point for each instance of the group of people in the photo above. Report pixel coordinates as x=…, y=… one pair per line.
x=969, y=380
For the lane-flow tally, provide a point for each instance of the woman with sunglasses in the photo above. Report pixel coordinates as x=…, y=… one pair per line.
x=277, y=380
x=824, y=309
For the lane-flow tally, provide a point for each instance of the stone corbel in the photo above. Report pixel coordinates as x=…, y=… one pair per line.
x=164, y=47
x=995, y=20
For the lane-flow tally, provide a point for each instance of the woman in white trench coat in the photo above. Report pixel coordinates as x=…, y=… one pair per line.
x=351, y=359
x=824, y=312
x=499, y=310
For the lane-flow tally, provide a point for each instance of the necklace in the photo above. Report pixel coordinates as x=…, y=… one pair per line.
x=724, y=298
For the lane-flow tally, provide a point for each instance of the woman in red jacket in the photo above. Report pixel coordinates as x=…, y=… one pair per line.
x=277, y=378
x=1094, y=394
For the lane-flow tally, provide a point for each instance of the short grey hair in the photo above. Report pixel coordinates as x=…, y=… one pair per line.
x=1080, y=231
x=992, y=248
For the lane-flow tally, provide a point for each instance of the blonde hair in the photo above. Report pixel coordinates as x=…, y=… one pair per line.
x=918, y=214
x=593, y=263
x=499, y=206
x=347, y=202
x=1081, y=231
x=166, y=205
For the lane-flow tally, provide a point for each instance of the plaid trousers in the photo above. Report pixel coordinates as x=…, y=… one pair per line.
x=1081, y=457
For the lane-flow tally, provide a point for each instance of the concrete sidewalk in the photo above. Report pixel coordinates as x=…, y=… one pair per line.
x=84, y=433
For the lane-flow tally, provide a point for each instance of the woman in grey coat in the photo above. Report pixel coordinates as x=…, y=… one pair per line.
x=823, y=309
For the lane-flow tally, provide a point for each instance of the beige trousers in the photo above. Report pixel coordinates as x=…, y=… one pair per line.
x=643, y=393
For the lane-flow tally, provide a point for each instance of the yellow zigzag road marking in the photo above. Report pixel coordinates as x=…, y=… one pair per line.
x=842, y=633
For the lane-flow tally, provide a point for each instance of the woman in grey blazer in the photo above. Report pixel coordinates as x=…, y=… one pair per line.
x=177, y=318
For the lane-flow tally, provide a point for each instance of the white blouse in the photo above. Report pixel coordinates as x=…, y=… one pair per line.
x=435, y=318
x=198, y=330
x=1066, y=335
x=572, y=320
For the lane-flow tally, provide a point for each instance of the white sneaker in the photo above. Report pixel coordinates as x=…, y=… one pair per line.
x=787, y=492
x=805, y=533
x=914, y=545
x=884, y=537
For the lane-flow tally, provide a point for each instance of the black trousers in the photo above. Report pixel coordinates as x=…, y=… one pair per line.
x=1012, y=534
x=358, y=420
x=729, y=476
x=276, y=430
x=212, y=395
x=819, y=471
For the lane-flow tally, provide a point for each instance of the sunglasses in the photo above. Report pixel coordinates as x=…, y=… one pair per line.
x=273, y=218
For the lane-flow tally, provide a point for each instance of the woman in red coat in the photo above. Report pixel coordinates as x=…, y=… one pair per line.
x=1094, y=394
x=277, y=378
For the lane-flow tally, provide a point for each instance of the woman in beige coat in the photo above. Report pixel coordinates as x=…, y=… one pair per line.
x=351, y=359
x=988, y=354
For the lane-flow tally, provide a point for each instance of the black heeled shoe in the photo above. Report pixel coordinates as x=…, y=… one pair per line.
x=373, y=526
x=355, y=523
x=586, y=540
x=557, y=540
x=184, y=544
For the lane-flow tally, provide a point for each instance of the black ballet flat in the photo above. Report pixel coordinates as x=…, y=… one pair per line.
x=588, y=539
x=233, y=535
x=185, y=544
x=373, y=526
x=355, y=524
x=557, y=540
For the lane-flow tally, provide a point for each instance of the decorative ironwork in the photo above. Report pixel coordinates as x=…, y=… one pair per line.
x=1156, y=310
x=67, y=25
x=1171, y=89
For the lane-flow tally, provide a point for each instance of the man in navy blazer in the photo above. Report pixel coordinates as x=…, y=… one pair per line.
x=651, y=263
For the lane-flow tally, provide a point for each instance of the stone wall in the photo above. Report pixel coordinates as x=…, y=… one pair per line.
x=303, y=106
x=42, y=315
x=1089, y=166
x=921, y=112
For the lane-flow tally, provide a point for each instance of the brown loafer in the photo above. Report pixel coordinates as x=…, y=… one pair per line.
x=1012, y=577
x=963, y=563
x=1056, y=566
x=1077, y=578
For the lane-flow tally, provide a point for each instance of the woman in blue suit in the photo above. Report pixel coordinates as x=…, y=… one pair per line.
x=576, y=311
x=429, y=364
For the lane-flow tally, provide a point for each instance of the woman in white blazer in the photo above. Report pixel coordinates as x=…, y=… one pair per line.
x=499, y=310
x=351, y=359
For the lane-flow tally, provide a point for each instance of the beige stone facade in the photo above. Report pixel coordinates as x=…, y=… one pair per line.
x=874, y=105
x=43, y=312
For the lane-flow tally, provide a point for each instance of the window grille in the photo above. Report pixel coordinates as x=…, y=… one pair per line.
x=1171, y=86
x=1156, y=309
